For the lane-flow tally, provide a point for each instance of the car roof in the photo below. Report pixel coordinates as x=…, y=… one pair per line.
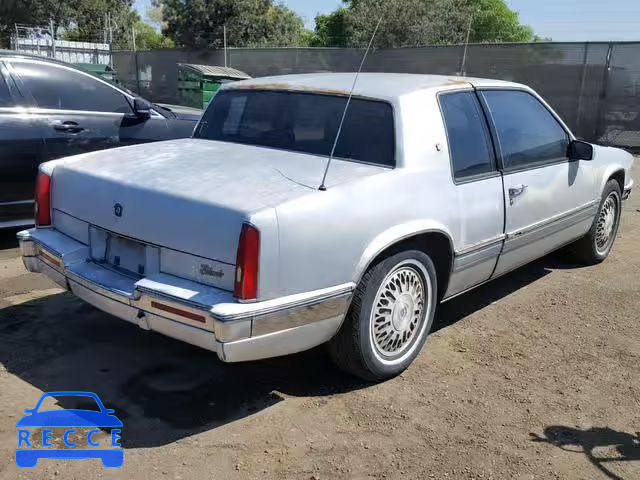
x=374, y=85
x=32, y=56
x=73, y=66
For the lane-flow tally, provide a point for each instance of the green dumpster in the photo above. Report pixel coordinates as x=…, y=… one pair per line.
x=99, y=70
x=197, y=84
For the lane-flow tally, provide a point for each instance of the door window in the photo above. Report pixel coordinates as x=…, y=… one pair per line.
x=65, y=89
x=469, y=143
x=528, y=133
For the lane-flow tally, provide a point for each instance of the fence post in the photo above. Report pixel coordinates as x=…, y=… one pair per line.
x=135, y=59
x=583, y=77
x=603, y=95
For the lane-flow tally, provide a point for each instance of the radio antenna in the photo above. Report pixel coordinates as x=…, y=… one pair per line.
x=322, y=186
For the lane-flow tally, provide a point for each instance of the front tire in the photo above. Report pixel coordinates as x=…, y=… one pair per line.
x=389, y=319
x=596, y=245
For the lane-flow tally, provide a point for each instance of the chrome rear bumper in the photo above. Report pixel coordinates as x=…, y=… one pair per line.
x=204, y=316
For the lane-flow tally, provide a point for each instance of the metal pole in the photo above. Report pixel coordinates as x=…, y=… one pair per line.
x=110, y=40
x=17, y=45
x=110, y=28
x=53, y=38
x=224, y=35
x=133, y=37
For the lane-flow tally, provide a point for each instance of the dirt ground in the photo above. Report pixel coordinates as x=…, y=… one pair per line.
x=536, y=375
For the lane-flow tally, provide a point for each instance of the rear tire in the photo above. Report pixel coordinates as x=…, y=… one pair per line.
x=596, y=245
x=389, y=319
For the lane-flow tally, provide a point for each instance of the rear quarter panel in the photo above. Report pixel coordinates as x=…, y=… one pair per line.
x=325, y=237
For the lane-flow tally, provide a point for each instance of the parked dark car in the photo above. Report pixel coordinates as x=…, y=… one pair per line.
x=49, y=109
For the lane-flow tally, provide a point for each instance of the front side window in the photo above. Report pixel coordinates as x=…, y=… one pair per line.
x=302, y=122
x=64, y=89
x=527, y=132
x=469, y=142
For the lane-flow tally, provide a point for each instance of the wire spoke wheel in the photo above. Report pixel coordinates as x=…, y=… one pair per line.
x=398, y=311
x=606, y=223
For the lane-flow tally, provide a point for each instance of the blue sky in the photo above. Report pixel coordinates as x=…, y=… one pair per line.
x=561, y=20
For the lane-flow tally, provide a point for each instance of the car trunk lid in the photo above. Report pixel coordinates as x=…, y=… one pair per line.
x=189, y=195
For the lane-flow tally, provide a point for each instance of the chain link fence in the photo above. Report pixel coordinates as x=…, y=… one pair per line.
x=595, y=87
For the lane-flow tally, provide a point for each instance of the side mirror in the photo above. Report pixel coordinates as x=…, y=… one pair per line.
x=141, y=108
x=579, y=150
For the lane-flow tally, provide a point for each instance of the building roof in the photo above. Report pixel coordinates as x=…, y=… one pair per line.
x=215, y=71
x=374, y=85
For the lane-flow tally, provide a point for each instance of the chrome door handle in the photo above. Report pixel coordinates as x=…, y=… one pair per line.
x=516, y=191
x=67, y=127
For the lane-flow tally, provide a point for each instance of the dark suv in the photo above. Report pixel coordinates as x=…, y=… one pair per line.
x=49, y=109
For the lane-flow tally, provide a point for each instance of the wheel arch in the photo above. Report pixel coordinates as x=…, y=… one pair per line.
x=619, y=176
x=433, y=240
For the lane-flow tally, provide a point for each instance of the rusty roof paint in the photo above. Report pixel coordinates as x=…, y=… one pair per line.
x=285, y=86
x=387, y=86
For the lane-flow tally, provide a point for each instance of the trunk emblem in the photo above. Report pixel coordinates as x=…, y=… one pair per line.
x=209, y=271
x=117, y=210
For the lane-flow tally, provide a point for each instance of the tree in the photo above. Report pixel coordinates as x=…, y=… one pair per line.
x=89, y=22
x=249, y=23
x=413, y=23
x=155, y=15
x=82, y=20
x=493, y=21
x=33, y=13
x=147, y=38
x=308, y=38
x=283, y=27
x=332, y=29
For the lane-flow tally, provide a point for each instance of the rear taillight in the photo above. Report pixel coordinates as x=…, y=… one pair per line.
x=43, y=203
x=246, y=284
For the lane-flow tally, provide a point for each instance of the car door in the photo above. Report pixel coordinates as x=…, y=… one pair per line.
x=82, y=112
x=21, y=151
x=548, y=198
x=478, y=199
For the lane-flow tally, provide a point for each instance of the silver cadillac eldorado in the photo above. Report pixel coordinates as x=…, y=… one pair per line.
x=226, y=240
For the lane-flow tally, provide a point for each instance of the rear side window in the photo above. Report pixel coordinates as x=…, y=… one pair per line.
x=528, y=133
x=302, y=122
x=469, y=141
x=64, y=89
x=5, y=94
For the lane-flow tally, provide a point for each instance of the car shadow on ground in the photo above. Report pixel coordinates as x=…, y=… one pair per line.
x=164, y=390
x=619, y=446
x=460, y=307
x=8, y=238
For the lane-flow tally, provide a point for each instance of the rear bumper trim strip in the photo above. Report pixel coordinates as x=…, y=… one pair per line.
x=235, y=331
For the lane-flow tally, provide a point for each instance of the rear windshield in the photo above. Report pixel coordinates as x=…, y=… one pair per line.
x=302, y=122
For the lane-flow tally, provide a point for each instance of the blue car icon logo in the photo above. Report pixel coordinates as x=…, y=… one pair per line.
x=32, y=447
